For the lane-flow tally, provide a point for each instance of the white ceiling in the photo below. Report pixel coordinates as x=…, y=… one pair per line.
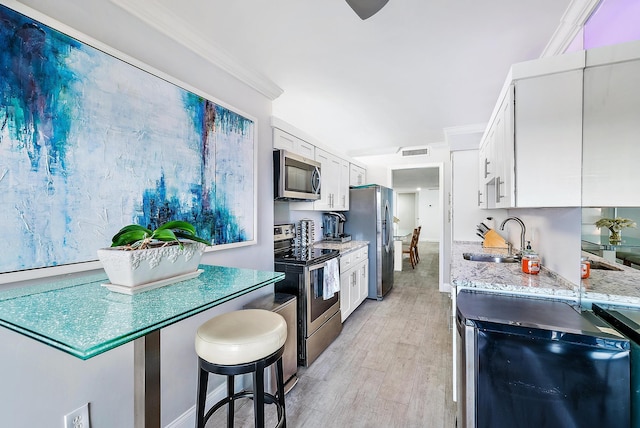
x=398, y=79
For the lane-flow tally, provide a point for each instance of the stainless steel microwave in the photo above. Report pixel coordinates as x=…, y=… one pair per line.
x=295, y=177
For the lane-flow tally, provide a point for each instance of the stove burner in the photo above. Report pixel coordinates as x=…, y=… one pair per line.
x=305, y=255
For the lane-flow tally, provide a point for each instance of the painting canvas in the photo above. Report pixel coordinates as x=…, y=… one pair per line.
x=90, y=143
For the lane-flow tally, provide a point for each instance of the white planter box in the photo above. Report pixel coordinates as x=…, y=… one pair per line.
x=133, y=268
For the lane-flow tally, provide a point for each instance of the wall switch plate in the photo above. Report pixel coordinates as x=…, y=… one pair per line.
x=79, y=418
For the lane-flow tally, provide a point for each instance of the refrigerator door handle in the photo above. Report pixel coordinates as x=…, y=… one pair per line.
x=387, y=240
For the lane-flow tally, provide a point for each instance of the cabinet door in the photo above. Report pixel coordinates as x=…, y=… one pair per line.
x=330, y=170
x=364, y=280
x=355, y=289
x=504, y=149
x=492, y=165
x=490, y=157
x=611, y=141
x=482, y=175
x=356, y=175
x=286, y=141
x=305, y=149
x=346, y=284
x=282, y=140
x=345, y=297
x=548, y=139
x=342, y=191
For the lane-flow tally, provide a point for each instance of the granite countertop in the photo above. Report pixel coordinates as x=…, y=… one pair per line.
x=343, y=247
x=620, y=287
x=505, y=278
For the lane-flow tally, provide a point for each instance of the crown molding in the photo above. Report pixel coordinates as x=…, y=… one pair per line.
x=162, y=19
x=571, y=24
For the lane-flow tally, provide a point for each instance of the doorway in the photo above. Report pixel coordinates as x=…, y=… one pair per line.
x=418, y=201
x=426, y=183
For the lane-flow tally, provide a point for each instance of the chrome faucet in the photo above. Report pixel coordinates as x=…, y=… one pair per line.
x=522, y=232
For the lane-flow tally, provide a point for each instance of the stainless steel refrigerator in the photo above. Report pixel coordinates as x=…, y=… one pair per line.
x=370, y=218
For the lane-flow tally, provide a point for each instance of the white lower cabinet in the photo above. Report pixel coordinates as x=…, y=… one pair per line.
x=354, y=281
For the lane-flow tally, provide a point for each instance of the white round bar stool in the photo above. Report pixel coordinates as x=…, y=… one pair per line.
x=239, y=342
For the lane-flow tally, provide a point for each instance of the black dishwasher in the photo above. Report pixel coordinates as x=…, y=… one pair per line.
x=539, y=363
x=627, y=322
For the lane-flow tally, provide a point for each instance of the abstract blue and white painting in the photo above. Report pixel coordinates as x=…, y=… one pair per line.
x=90, y=143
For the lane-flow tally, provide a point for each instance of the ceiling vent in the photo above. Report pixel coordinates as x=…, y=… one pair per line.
x=416, y=152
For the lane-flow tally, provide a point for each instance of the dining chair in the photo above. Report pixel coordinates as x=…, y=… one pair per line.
x=411, y=249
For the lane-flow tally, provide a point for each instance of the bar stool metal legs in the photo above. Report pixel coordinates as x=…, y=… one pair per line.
x=260, y=397
x=241, y=342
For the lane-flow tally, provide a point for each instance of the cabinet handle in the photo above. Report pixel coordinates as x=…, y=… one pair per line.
x=499, y=184
x=479, y=198
x=486, y=169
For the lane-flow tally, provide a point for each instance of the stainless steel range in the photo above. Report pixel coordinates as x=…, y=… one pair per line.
x=304, y=268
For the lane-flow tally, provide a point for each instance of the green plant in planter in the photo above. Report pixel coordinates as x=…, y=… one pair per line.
x=615, y=224
x=136, y=237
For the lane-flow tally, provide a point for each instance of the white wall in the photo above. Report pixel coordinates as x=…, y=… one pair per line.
x=430, y=212
x=378, y=174
x=40, y=384
x=554, y=233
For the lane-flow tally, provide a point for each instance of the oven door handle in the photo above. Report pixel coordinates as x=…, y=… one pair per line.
x=318, y=290
x=318, y=266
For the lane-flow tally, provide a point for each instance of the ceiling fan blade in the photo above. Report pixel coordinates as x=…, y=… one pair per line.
x=366, y=8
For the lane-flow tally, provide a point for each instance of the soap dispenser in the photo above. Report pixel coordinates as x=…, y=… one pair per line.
x=530, y=260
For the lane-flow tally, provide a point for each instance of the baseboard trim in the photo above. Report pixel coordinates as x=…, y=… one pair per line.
x=188, y=418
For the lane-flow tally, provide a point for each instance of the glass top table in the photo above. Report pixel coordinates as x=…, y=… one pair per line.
x=81, y=317
x=602, y=242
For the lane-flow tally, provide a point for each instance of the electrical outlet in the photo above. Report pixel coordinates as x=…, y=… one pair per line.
x=79, y=418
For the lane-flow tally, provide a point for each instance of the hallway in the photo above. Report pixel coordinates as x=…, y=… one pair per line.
x=390, y=366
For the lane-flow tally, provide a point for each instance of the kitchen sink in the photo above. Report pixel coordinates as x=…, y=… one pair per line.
x=493, y=258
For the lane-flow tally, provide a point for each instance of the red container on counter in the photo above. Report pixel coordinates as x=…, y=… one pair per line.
x=530, y=263
x=585, y=268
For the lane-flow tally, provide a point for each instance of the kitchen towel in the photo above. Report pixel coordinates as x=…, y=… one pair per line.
x=331, y=279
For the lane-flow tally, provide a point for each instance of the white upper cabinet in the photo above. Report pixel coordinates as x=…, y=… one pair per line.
x=530, y=155
x=334, y=174
x=342, y=202
x=482, y=175
x=330, y=173
x=611, y=140
x=496, y=157
x=357, y=175
x=548, y=140
x=286, y=141
x=334, y=190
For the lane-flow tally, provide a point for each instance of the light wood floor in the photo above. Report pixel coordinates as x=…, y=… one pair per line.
x=390, y=366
